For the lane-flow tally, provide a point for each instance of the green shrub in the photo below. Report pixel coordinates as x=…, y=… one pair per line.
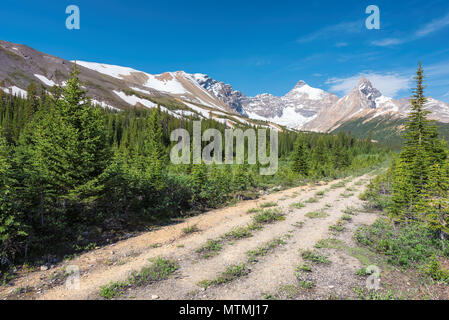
x=269, y=216
x=405, y=245
x=315, y=257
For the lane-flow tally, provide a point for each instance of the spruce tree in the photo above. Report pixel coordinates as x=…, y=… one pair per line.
x=421, y=150
x=300, y=157
x=11, y=226
x=434, y=205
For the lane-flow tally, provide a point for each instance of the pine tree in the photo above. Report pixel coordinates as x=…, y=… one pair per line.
x=61, y=154
x=241, y=180
x=420, y=151
x=300, y=157
x=434, y=205
x=11, y=226
x=154, y=150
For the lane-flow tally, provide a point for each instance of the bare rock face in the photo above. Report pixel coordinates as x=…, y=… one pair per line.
x=363, y=100
x=224, y=92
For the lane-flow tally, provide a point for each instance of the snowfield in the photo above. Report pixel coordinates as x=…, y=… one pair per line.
x=44, y=79
x=15, y=91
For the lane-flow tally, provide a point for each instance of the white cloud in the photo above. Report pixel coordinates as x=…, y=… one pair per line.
x=341, y=44
x=333, y=31
x=437, y=69
x=433, y=26
x=388, y=42
x=388, y=84
x=423, y=31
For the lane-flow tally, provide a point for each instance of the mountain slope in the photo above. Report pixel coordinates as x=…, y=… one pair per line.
x=366, y=105
x=200, y=96
x=116, y=87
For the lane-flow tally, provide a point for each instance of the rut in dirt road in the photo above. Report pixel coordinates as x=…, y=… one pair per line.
x=229, y=233
x=300, y=230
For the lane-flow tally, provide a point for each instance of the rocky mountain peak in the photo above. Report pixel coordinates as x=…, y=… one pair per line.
x=368, y=92
x=300, y=84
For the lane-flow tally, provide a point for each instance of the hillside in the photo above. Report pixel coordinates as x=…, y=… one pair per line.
x=115, y=87
x=387, y=129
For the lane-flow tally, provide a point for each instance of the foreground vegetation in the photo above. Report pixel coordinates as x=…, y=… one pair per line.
x=414, y=194
x=74, y=176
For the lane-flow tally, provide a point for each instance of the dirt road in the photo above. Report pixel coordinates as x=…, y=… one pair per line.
x=272, y=273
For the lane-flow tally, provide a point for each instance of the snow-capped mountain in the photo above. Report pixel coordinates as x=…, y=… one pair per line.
x=116, y=87
x=366, y=102
x=298, y=107
x=224, y=92
x=178, y=84
x=198, y=95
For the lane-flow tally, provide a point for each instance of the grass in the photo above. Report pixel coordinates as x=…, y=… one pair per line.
x=210, y=249
x=299, y=224
x=306, y=284
x=268, y=204
x=233, y=272
x=312, y=200
x=317, y=214
x=362, y=272
x=304, y=267
x=346, y=195
x=330, y=243
x=264, y=250
x=315, y=257
x=340, y=184
x=365, y=294
x=288, y=290
x=238, y=233
x=350, y=210
x=269, y=216
x=320, y=193
x=191, y=229
x=336, y=228
x=113, y=290
x=254, y=210
x=297, y=205
x=346, y=217
x=159, y=270
x=364, y=255
x=405, y=245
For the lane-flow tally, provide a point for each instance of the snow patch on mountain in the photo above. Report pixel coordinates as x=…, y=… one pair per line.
x=133, y=100
x=104, y=105
x=108, y=69
x=44, y=79
x=16, y=91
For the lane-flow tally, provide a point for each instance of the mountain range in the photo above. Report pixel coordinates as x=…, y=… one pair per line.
x=185, y=95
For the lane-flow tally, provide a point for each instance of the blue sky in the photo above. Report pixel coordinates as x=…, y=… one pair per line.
x=257, y=46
